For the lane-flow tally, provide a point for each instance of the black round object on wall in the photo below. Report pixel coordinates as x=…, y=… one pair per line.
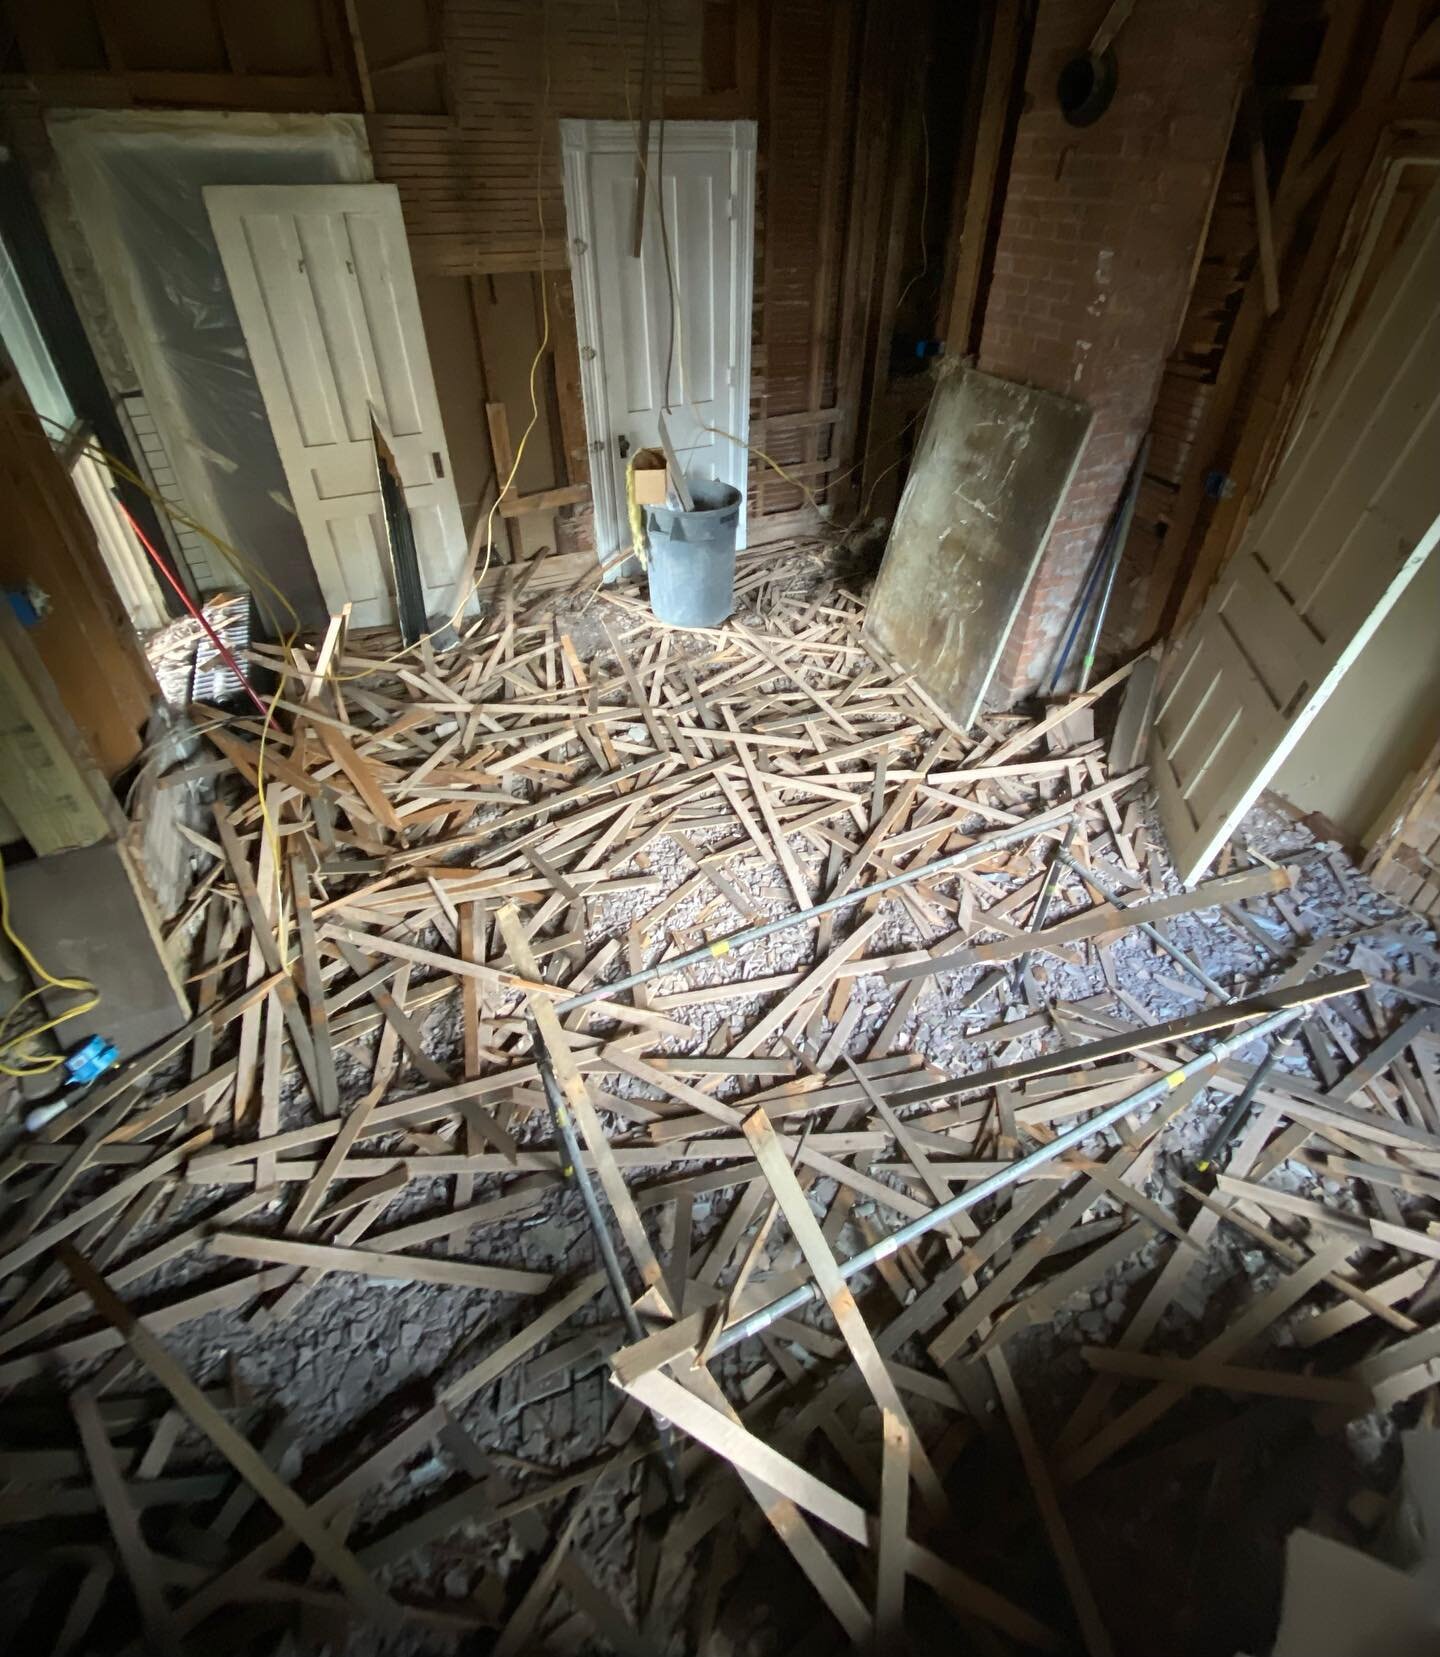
x=1087, y=87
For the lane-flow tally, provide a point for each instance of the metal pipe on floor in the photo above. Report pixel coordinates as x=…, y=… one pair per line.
x=1240, y=1109
x=1047, y=895
x=1116, y=555
x=609, y=1258
x=1153, y=933
x=1009, y=1175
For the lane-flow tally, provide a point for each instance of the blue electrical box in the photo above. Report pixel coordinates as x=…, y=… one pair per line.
x=90, y=1061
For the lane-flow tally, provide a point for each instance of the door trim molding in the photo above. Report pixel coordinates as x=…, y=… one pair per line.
x=582, y=138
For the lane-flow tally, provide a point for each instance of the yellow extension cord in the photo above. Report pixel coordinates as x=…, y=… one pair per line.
x=42, y=1063
x=256, y=578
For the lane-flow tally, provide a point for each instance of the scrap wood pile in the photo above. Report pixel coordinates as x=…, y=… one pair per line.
x=479, y=1026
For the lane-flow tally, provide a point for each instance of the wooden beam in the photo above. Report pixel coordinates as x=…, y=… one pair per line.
x=1003, y=58
x=1264, y=228
x=544, y=500
x=295, y=1515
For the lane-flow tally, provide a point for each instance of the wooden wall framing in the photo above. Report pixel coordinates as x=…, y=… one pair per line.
x=1405, y=861
x=210, y=54
x=84, y=641
x=477, y=186
x=481, y=186
x=454, y=92
x=1376, y=79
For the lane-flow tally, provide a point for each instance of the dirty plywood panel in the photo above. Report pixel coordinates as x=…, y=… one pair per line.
x=87, y=911
x=994, y=463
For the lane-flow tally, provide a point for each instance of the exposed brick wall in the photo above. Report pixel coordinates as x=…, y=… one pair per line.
x=1097, y=242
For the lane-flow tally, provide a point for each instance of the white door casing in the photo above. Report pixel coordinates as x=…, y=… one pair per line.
x=623, y=310
x=324, y=289
x=1351, y=513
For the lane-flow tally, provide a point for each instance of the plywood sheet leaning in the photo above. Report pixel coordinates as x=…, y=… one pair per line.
x=994, y=463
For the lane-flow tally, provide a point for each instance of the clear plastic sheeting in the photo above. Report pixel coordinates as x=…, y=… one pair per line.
x=138, y=183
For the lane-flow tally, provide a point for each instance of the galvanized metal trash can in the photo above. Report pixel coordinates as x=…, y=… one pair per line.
x=692, y=556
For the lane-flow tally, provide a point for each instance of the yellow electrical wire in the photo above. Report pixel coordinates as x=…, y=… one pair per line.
x=924, y=210
x=504, y=488
x=255, y=579
x=38, y=1064
x=253, y=576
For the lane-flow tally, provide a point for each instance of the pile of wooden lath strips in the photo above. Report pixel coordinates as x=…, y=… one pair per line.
x=467, y=828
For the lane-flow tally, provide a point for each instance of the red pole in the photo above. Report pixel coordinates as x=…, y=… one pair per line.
x=189, y=604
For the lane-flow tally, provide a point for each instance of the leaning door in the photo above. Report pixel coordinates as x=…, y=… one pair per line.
x=1352, y=513
x=322, y=282
x=667, y=333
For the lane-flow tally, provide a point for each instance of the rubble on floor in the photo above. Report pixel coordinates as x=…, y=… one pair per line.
x=185, y=661
x=306, y=1333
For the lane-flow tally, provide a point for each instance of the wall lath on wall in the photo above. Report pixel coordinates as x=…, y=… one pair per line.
x=224, y=56
x=462, y=100
x=1374, y=75
x=481, y=187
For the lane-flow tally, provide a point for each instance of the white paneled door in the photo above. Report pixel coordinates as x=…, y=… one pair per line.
x=1351, y=514
x=668, y=332
x=321, y=279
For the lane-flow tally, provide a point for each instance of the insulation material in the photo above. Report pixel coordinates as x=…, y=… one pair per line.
x=138, y=182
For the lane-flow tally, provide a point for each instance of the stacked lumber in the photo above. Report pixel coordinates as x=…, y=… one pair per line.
x=495, y=897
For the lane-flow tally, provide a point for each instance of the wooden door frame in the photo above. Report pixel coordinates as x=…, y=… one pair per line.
x=581, y=139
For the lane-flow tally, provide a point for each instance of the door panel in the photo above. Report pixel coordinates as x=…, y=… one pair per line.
x=1352, y=512
x=1271, y=634
x=636, y=364
x=322, y=283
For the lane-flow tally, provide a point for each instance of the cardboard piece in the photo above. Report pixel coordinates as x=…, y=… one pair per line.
x=651, y=484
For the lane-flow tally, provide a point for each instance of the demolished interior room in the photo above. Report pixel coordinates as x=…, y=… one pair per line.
x=720, y=827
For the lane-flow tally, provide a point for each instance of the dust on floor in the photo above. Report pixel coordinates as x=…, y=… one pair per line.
x=627, y=786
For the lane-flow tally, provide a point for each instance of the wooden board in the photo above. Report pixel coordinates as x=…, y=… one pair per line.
x=50, y=787
x=1405, y=861
x=993, y=464
x=85, y=639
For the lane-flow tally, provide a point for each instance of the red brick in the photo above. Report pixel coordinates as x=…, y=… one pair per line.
x=1096, y=244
